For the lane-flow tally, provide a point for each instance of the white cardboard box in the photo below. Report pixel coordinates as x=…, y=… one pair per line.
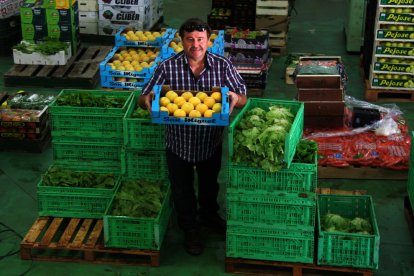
x=88, y=5
x=124, y=2
x=88, y=28
x=124, y=13
x=60, y=58
x=88, y=17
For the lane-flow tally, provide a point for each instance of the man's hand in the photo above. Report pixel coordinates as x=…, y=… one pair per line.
x=236, y=100
x=145, y=101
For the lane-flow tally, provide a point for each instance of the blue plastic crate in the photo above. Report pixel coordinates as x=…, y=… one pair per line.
x=113, y=82
x=162, y=117
x=108, y=71
x=121, y=40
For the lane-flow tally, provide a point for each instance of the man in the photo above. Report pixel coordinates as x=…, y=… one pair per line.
x=187, y=147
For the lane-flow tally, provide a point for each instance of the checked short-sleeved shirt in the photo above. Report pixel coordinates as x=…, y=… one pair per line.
x=195, y=143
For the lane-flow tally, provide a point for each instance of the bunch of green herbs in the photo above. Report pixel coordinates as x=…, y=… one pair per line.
x=49, y=47
x=336, y=223
x=87, y=99
x=141, y=113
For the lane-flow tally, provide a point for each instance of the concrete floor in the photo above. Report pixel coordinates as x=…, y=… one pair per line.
x=317, y=27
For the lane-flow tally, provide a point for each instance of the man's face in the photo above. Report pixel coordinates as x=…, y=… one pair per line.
x=195, y=44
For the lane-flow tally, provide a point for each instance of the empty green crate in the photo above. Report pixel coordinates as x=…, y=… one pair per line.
x=272, y=209
x=74, y=110
x=274, y=244
x=139, y=233
x=148, y=165
x=80, y=128
x=299, y=177
x=410, y=184
x=348, y=249
x=98, y=158
x=73, y=202
x=142, y=134
x=291, y=139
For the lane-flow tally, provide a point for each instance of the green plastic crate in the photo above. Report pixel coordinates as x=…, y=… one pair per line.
x=142, y=134
x=272, y=209
x=79, y=128
x=139, y=233
x=73, y=202
x=274, y=244
x=299, y=177
x=348, y=249
x=291, y=139
x=410, y=184
x=98, y=158
x=73, y=110
x=147, y=165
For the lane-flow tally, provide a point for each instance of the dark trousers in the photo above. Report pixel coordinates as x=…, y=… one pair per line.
x=181, y=175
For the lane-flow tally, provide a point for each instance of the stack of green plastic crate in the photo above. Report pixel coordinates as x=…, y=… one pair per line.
x=86, y=139
x=271, y=216
x=144, y=151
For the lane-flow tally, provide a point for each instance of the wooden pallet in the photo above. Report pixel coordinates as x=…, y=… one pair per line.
x=409, y=217
x=81, y=71
x=354, y=172
x=260, y=267
x=78, y=240
x=387, y=95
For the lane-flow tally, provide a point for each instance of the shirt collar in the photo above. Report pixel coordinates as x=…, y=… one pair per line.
x=209, y=59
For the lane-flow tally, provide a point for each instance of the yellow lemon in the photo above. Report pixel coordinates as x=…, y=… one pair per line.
x=194, y=100
x=216, y=96
x=172, y=107
x=187, y=95
x=164, y=101
x=163, y=108
x=179, y=113
x=201, y=95
x=187, y=107
x=209, y=101
x=194, y=114
x=171, y=95
x=208, y=113
x=138, y=68
x=202, y=108
x=116, y=62
x=216, y=107
x=179, y=101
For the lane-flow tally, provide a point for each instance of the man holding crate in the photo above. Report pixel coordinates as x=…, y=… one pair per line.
x=196, y=146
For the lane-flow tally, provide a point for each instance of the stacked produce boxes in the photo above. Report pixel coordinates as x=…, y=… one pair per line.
x=50, y=19
x=88, y=16
x=273, y=15
x=10, y=29
x=249, y=52
x=391, y=66
x=221, y=14
x=320, y=87
x=270, y=210
x=114, y=14
x=134, y=58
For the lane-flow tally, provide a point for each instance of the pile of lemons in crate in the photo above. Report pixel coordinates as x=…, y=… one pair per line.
x=189, y=105
x=133, y=59
x=141, y=35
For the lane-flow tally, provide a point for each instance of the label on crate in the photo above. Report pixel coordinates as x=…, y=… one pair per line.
x=124, y=13
x=396, y=17
x=388, y=34
x=393, y=67
x=397, y=2
x=394, y=51
x=396, y=83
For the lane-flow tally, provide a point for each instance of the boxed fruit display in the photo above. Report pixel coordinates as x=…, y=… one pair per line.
x=397, y=49
x=122, y=82
x=58, y=4
x=190, y=107
x=245, y=39
x=130, y=62
x=124, y=13
x=130, y=36
x=42, y=53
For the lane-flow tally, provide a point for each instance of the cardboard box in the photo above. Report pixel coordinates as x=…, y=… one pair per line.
x=62, y=16
x=30, y=14
x=124, y=13
x=326, y=108
x=88, y=5
x=60, y=58
x=321, y=94
x=323, y=121
x=89, y=17
x=88, y=28
x=58, y=4
x=139, y=3
x=32, y=32
x=272, y=23
x=108, y=27
x=310, y=76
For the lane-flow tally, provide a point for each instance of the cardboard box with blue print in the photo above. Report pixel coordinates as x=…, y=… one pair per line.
x=210, y=108
x=272, y=23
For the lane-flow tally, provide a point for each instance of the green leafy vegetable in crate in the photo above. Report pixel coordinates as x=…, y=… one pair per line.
x=56, y=176
x=87, y=99
x=141, y=113
x=33, y=101
x=260, y=137
x=139, y=198
x=49, y=47
x=337, y=223
x=306, y=151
